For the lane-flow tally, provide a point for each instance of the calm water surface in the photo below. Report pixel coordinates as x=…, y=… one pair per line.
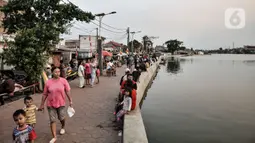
x=202, y=99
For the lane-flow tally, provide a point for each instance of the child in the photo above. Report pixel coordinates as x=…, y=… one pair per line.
x=23, y=133
x=30, y=109
x=127, y=103
x=97, y=74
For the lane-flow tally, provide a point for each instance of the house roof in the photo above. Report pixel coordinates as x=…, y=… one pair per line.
x=114, y=44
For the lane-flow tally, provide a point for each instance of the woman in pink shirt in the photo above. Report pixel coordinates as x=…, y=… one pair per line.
x=88, y=72
x=55, y=91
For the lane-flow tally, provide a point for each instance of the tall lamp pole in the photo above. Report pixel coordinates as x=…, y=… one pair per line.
x=99, y=40
x=132, y=44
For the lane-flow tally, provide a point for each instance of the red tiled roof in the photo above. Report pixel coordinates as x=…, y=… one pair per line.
x=115, y=44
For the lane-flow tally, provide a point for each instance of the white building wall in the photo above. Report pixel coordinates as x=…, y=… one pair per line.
x=85, y=43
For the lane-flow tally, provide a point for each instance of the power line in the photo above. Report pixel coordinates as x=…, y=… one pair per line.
x=107, y=29
x=95, y=23
x=112, y=27
x=120, y=38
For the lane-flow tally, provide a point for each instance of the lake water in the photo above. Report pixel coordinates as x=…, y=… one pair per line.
x=202, y=99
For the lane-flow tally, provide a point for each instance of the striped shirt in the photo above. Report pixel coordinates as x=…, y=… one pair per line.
x=25, y=135
x=30, y=114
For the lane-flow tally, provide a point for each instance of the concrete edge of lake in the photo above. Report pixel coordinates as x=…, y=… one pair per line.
x=134, y=130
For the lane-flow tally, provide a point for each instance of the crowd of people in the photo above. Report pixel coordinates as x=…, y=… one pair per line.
x=126, y=100
x=55, y=92
x=88, y=73
x=57, y=88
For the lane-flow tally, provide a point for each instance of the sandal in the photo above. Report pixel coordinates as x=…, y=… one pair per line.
x=53, y=140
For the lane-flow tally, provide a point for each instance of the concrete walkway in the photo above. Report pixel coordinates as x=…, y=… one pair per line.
x=92, y=122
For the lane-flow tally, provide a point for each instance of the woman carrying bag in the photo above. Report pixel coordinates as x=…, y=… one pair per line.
x=55, y=91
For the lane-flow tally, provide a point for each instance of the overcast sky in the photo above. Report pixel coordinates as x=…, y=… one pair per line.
x=198, y=23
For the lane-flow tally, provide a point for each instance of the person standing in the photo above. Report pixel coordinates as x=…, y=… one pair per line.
x=62, y=70
x=55, y=92
x=87, y=72
x=81, y=75
x=93, y=72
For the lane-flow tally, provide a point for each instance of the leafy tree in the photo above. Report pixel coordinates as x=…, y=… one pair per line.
x=146, y=41
x=124, y=48
x=173, y=45
x=182, y=48
x=136, y=44
x=37, y=25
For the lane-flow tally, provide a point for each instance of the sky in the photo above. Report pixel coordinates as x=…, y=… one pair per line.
x=199, y=24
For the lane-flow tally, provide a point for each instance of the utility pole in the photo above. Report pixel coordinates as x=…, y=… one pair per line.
x=128, y=38
x=99, y=41
x=132, y=44
x=233, y=45
x=144, y=43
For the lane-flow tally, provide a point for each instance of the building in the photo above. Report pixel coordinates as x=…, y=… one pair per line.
x=249, y=47
x=88, y=43
x=160, y=49
x=72, y=44
x=113, y=46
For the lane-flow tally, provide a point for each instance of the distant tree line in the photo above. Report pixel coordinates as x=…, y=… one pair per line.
x=230, y=51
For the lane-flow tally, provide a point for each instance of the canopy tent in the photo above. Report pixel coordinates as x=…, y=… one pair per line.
x=122, y=54
x=105, y=53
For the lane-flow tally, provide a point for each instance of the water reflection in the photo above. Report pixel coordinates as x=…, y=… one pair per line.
x=249, y=62
x=212, y=101
x=173, y=65
x=146, y=90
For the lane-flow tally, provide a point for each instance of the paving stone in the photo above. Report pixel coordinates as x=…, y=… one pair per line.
x=90, y=124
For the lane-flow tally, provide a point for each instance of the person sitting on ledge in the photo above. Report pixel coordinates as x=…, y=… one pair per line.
x=136, y=74
x=129, y=77
x=129, y=84
x=127, y=103
x=124, y=77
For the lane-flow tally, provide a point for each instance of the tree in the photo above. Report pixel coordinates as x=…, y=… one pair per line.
x=182, y=48
x=37, y=26
x=173, y=45
x=136, y=44
x=124, y=48
x=146, y=41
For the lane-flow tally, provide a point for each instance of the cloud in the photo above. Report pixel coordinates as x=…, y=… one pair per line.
x=199, y=23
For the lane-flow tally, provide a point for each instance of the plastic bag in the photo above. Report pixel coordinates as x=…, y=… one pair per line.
x=70, y=111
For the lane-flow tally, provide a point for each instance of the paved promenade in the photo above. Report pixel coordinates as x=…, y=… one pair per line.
x=92, y=122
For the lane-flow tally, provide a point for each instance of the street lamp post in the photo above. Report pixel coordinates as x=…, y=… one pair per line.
x=99, y=40
x=132, y=44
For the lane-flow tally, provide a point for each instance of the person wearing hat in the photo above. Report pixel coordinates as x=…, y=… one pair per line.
x=124, y=77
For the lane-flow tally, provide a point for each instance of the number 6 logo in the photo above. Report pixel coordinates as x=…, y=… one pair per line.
x=234, y=18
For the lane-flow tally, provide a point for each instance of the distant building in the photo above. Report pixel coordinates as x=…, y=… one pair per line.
x=88, y=43
x=72, y=44
x=249, y=47
x=200, y=53
x=160, y=49
x=113, y=46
